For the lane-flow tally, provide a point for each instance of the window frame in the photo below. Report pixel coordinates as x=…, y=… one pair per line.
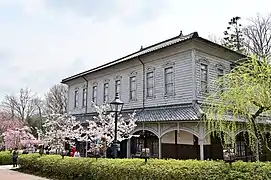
x=206, y=79
x=132, y=90
x=220, y=74
x=94, y=98
x=106, y=96
x=148, y=86
x=76, y=98
x=166, y=84
x=116, y=85
x=84, y=98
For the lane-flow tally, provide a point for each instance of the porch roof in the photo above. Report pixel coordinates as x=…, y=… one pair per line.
x=171, y=113
x=157, y=114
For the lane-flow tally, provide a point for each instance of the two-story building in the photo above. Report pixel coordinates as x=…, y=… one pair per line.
x=165, y=83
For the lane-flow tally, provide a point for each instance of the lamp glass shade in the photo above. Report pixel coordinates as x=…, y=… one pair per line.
x=116, y=105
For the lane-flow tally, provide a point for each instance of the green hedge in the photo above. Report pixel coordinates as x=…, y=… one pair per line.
x=5, y=158
x=54, y=166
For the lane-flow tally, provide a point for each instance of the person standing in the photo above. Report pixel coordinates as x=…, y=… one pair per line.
x=73, y=151
x=15, y=154
x=77, y=154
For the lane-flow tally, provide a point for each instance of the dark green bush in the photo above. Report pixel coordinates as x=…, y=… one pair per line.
x=5, y=158
x=54, y=166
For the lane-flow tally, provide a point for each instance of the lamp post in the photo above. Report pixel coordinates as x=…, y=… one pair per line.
x=116, y=106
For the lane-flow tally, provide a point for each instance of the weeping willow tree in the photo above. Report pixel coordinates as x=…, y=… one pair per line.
x=242, y=98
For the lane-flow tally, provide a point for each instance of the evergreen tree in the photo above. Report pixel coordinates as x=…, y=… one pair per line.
x=234, y=36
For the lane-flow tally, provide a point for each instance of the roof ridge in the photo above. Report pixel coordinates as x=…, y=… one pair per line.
x=192, y=35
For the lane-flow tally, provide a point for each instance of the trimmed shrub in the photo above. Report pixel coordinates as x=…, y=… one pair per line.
x=5, y=158
x=54, y=166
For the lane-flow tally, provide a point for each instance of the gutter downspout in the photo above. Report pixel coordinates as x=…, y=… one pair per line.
x=86, y=108
x=143, y=92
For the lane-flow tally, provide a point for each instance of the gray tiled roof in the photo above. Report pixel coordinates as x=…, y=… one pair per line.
x=143, y=51
x=161, y=45
x=158, y=114
x=173, y=113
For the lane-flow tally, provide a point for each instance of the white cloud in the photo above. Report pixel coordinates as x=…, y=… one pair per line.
x=47, y=42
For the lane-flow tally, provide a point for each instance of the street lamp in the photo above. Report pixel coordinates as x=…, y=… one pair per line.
x=116, y=106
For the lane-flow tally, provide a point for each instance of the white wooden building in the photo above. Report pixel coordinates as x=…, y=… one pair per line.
x=165, y=83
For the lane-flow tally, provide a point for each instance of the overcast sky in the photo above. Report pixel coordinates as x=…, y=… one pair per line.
x=43, y=41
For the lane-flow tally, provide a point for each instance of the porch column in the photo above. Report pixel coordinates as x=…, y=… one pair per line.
x=86, y=149
x=159, y=141
x=201, y=141
x=128, y=148
x=160, y=148
x=201, y=149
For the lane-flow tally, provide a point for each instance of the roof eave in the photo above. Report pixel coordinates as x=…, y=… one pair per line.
x=122, y=59
x=230, y=50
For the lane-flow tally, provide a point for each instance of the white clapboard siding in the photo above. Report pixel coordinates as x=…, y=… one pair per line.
x=182, y=66
x=179, y=56
x=213, y=63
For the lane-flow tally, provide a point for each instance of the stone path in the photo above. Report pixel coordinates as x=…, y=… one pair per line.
x=7, y=174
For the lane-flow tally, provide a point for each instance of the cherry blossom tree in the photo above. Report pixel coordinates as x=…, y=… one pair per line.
x=17, y=137
x=8, y=123
x=97, y=133
x=60, y=128
x=100, y=131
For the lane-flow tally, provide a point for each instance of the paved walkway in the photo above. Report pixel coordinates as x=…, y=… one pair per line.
x=7, y=174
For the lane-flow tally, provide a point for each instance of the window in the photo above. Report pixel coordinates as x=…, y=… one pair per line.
x=132, y=88
x=106, y=92
x=117, y=87
x=220, y=74
x=76, y=93
x=204, y=78
x=139, y=144
x=84, y=103
x=155, y=147
x=169, y=81
x=94, y=94
x=150, y=84
x=240, y=148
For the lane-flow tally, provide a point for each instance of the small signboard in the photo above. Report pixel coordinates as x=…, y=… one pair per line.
x=146, y=152
x=229, y=154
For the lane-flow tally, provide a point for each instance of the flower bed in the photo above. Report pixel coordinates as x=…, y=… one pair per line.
x=54, y=166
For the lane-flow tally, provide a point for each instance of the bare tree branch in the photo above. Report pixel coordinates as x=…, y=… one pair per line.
x=56, y=99
x=21, y=106
x=258, y=36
